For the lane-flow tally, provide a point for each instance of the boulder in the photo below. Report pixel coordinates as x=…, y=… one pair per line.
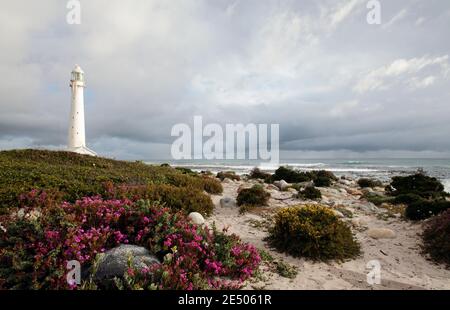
x=381, y=233
x=282, y=185
x=359, y=222
x=354, y=191
x=196, y=218
x=345, y=182
x=292, y=190
x=306, y=184
x=271, y=187
x=367, y=191
x=114, y=263
x=228, y=202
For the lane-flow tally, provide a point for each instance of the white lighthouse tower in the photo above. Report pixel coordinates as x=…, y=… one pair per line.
x=77, y=136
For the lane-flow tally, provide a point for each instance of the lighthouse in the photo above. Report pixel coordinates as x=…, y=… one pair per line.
x=77, y=134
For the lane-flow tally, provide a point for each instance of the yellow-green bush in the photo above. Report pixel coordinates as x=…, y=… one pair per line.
x=313, y=232
x=211, y=185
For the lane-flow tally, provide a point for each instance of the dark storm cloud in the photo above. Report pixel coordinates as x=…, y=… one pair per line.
x=332, y=81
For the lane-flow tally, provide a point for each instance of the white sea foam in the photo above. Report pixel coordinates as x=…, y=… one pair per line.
x=446, y=184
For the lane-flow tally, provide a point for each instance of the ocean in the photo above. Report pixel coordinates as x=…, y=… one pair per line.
x=382, y=169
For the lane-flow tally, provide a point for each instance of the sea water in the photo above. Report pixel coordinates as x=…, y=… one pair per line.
x=382, y=169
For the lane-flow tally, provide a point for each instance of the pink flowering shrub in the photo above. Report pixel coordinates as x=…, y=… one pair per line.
x=34, y=251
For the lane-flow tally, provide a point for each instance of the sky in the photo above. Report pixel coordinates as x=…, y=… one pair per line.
x=337, y=85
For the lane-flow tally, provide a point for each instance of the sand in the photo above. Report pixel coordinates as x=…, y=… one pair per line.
x=403, y=266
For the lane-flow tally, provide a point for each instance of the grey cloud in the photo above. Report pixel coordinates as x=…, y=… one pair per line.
x=152, y=64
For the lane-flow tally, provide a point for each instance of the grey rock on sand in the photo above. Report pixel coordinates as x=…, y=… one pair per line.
x=114, y=262
x=282, y=185
x=228, y=202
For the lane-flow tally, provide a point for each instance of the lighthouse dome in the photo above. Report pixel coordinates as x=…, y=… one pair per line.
x=78, y=69
x=77, y=74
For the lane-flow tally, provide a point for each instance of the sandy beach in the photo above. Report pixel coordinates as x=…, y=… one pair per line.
x=403, y=266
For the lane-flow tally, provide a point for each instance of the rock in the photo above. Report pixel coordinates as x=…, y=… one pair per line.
x=196, y=218
x=282, y=185
x=359, y=222
x=367, y=191
x=354, y=191
x=271, y=187
x=342, y=191
x=114, y=262
x=381, y=233
x=292, y=190
x=306, y=184
x=227, y=181
x=345, y=182
x=366, y=207
x=228, y=202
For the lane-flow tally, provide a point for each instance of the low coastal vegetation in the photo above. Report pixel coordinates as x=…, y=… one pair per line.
x=40, y=239
x=436, y=238
x=252, y=197
x=257, y=173
x=310, y=192
x=365, y=183
x=321, y=178
x=423, y=195
x=313, y=232
x=69, y=176
x=228, y=175
x=58, y=206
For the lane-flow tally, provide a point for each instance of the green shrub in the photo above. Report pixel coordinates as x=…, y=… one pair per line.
x=310, y=192
x=377, y=199
x=187, y=171
x=418, y=184
x=424, y=195
x=228, y=175
x=322, y=182
x=256, y=173
x=436, y=238
x=313, y=232
x=324, y=174
x=291, y=176
x=76, y=176
x=407, y=199
x=423, y=209
x=322, y=177
x=254, y=196
x=364, y=183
